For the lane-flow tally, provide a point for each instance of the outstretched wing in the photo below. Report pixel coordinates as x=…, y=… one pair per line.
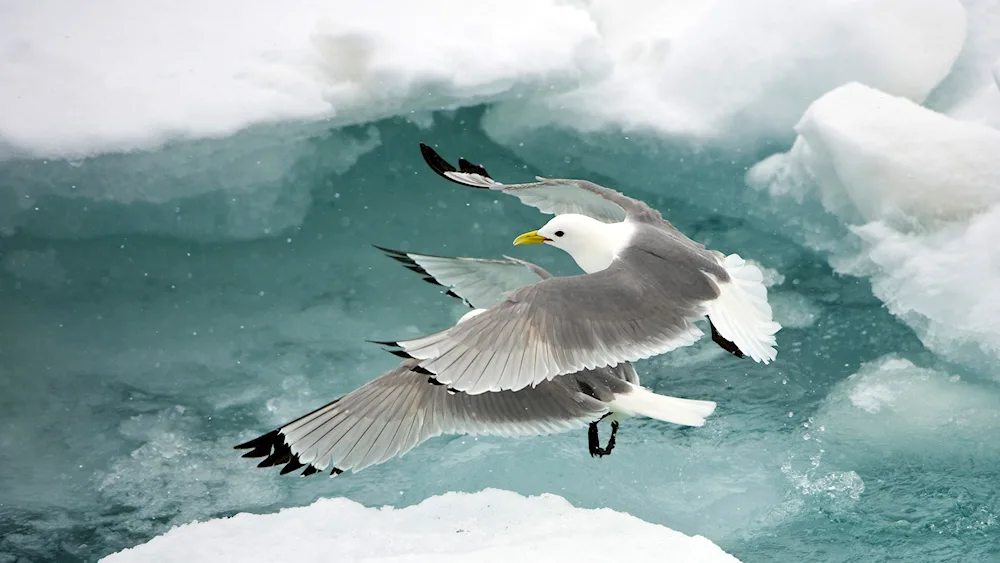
x=641, y=306
x=395, y=412
x=552, y=196
x=480, y=282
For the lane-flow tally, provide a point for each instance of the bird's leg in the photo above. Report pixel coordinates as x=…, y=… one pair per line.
x=611, y=440
x=594, y=440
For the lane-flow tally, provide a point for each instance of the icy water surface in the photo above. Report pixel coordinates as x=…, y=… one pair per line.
x=130, y=363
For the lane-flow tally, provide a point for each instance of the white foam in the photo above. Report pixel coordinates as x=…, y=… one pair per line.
x=735, y=70
x=112, y=75
x=794, y=310
x=491, y=525
x=920, y=191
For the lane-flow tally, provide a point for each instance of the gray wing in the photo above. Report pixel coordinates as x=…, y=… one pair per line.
x=641, y=306
x=395, y=412
x=481, y=283
x=552, y=196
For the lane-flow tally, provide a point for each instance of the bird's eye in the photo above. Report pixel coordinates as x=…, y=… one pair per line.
x=559, y=233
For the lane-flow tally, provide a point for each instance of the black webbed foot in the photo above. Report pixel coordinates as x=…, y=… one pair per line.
x=594, y=440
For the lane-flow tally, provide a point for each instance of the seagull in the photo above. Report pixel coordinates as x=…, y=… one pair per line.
x=406, y=406
x=644, y=284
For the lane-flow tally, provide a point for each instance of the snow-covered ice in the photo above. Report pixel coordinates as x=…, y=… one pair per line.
x=116, y=76
x=920, y=190
x=491, y=525
x=78, y=83
x=879, y=157
x=729, y=70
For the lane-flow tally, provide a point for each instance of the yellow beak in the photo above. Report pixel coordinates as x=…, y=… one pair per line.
x=531, y=237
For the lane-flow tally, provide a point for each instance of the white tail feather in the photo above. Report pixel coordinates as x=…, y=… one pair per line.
x=742, y=314
x=643, y=402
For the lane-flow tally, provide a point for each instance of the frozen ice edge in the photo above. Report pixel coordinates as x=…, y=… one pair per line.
x=489, y=525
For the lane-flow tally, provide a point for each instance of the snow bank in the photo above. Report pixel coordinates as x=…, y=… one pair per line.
x=235, y=93
x=112, y=75
x=921, y=192
x=240, y=98
x=731, y=70
x=491, y=525
x=115, y=76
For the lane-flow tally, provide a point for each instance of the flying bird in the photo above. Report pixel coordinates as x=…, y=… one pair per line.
x=645, y=283
x=406, y=406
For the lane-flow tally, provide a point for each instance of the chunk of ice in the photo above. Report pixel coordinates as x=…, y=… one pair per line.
x=894, y=406
x=116, y=76
x=879, y=157
x=491, y=525
x=922, y=191
x=731, y=70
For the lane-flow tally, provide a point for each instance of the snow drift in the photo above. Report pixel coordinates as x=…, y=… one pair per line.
x=490, y=525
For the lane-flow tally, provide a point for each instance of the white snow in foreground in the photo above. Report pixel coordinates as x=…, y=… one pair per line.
x=491, y=525
x=922, y=192
x=732, y=70
x=112, y=75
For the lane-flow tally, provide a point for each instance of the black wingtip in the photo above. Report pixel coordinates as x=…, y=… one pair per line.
x=466, y=166
x=291, y=466
x=275, y=451
x=281, y=455
x=390, y=251
x=258, y=444
x=383, y=343
x=439, y=165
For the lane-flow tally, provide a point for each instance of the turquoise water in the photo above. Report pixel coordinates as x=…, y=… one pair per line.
x=131, y=363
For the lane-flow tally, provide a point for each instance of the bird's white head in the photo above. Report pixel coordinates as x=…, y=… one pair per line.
x=591, y=243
